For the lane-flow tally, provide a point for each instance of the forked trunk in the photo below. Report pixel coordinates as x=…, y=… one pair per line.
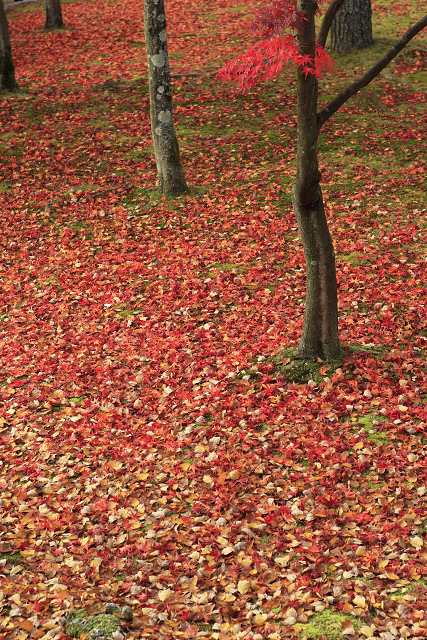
x=7, y=68
x=320, y=329
x=171, y=180
x=53, y=14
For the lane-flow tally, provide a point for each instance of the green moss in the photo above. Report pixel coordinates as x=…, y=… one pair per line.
x=412, y=587
x=102, y=625
x=328, y=623
x=11, y=558
x=302, y=370
x=378, y=437
x=354, y=258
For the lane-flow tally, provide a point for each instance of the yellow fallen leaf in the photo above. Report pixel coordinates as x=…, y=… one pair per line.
x=416, y=542
x=367, y=631
x=359, y=601
x=282, y=560
x=243, y=586
x=164, y=594
x=392, y=576
x=27, y=625
x=229, y=597
x=233, y=475
x=260, y=618
x=246, y=561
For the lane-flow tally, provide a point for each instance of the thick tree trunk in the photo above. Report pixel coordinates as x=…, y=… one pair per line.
x=320, y=330
x=171, y=180
x=352, y=26
x=53, y=14
x=7, y=68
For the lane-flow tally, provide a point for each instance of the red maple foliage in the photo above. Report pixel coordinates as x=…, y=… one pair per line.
x=266, y=58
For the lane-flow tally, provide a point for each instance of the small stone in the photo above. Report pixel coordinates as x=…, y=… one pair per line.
x=127, y=614
x=135, y=590
x=110, y=607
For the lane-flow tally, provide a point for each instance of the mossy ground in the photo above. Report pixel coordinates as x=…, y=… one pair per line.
x=328, y=623
x=102, y=625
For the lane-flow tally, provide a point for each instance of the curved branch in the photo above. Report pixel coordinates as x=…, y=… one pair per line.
x=322, y=34
x=349, y=91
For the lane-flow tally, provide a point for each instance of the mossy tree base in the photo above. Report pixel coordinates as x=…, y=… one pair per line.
x=295, y=368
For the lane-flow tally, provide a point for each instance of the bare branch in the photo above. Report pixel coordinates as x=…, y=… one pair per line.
x=346, y=94
x=322, y=34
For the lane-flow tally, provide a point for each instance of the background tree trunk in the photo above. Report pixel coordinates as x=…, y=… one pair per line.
x=352, y=26
x=320, y=330
x=171, y=178
x=53, y=14
x=7, y=68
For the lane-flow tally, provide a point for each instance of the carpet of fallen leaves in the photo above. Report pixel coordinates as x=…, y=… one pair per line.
x=151, y=453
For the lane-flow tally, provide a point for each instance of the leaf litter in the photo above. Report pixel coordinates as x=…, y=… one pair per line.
x=153, y=456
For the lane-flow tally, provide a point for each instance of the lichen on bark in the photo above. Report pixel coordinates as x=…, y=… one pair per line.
x=171, y=179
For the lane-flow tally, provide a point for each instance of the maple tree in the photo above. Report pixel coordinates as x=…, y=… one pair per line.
x=153, y=454
x=7, y=68
x=53, y=14
x=171, y=180
x=264, y=60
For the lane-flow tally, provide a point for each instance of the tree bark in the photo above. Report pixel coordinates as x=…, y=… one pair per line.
x=320, y=329
x=7, y=68
x=53, y=14
x=352, y=26
x=323, y=32
x=171, y=180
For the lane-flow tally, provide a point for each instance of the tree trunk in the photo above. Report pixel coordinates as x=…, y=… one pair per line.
x=352, y=26
x=7, y=68
x=171, y=180
x=320, y=329
x=53, y=14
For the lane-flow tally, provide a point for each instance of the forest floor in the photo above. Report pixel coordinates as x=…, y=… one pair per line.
x=153, y=452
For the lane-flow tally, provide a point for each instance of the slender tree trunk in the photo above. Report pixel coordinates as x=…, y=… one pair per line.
x=352, y=26
x=7, y=68
x=171, y=180
x=53, y=14
x=320, y=329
